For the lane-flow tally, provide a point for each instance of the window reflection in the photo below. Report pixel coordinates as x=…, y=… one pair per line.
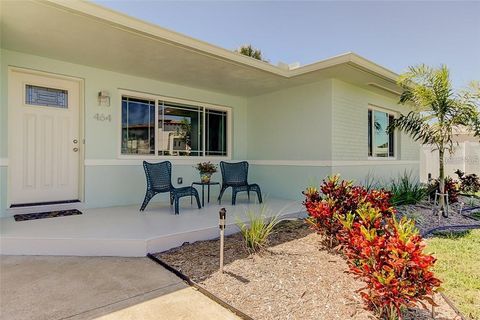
x=179, y=130
x=380, y=141
x=138, y=126
x=216, y=139
x=381, y=134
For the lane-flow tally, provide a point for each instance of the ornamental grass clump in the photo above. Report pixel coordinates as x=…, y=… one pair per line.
x=257, y=230
x=406, y=190
x=384, y=253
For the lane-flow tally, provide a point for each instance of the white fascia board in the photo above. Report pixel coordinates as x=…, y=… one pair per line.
x=372, y=66
x=158, y=33
x=122, y=21
x=330, y=62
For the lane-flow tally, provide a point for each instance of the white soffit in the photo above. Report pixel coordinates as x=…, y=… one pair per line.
x=84, y=33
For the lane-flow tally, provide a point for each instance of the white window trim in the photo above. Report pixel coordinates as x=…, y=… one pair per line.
x=395, y=135
x=156, y=98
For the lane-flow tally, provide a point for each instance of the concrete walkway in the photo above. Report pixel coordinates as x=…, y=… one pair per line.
x=40, y=287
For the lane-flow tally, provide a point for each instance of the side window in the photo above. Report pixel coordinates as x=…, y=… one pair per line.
x=381, y=143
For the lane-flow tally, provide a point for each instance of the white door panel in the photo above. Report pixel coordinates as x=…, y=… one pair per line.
x=44, y=159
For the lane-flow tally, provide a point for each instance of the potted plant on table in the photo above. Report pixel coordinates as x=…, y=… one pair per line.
x=206, y=170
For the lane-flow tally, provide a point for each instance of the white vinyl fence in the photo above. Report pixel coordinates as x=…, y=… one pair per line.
x=465, y=158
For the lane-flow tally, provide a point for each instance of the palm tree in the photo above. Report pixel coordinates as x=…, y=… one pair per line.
x=437, y=110
x=249, y=51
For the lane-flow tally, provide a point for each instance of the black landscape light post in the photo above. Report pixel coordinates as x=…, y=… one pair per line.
x=223, y=215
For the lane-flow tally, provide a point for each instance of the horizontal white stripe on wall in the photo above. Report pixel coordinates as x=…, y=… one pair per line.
x=3, y=162
x=374, y=163
x=296, y=163
x=327, y=163
x=134, y=162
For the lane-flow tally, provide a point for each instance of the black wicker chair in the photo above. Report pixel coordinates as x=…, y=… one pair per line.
x=159, y=180
x=235, y=175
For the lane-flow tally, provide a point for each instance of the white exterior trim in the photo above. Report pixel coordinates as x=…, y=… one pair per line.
x=139, y=161
x=334, y=163
x=295, y=163
x=3, y=162
x=374, y=162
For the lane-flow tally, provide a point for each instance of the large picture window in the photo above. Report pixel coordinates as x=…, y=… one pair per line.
x=381, y=143
x=165, y=128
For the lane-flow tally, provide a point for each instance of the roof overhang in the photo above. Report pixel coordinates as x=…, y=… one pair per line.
x=85, y=33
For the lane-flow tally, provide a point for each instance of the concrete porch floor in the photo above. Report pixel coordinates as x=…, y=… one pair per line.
x=124, y=231
x=106, y=288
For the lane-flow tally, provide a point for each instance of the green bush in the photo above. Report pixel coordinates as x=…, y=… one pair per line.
x=406, y=190
x=452, y=188
x=469, y=183
x=257, y=230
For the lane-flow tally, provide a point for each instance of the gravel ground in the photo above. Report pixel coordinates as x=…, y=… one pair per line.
x=425, y=220
x=295, y=278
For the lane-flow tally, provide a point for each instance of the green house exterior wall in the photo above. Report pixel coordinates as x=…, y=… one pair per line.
x=286, y=129
x=350, y=138
x=293, y=138
x=108, y=185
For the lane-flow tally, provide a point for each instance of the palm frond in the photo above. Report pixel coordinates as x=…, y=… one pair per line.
x=437, y=109
x=415, y=125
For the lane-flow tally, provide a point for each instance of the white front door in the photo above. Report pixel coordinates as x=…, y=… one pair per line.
x=44, y=139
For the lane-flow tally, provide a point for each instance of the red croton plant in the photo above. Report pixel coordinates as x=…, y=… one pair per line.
x=385, y=253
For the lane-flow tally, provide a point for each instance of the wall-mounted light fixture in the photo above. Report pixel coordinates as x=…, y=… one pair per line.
x=104, y=99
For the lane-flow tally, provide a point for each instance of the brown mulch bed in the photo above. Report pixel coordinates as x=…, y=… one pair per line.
x=294, y=278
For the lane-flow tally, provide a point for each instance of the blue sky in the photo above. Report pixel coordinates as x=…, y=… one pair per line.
x=392, y=34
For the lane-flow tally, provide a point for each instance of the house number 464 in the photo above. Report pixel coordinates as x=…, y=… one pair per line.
x=102, y=117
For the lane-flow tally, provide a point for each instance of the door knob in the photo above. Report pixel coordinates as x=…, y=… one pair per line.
x=75, y=141
x=75, y=149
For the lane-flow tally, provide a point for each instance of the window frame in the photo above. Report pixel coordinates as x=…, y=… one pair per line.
x=194, y=159
x=396, y=148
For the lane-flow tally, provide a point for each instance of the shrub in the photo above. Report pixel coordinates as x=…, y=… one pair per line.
x=452, y=188
x=389, y=258
x=406, y=190
x=257, y=231
x=339, y=198
x=385, y=253
x=469, y=183
x=323, y=211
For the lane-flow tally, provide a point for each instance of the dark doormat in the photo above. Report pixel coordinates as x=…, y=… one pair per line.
x=44, y=215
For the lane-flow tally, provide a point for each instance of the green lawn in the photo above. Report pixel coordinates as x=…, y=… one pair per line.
x=458, y=266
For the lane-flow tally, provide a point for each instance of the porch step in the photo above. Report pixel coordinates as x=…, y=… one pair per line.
x=124, y=231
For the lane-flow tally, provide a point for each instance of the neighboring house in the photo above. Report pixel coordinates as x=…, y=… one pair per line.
x=466, y=157
x=84, y=89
